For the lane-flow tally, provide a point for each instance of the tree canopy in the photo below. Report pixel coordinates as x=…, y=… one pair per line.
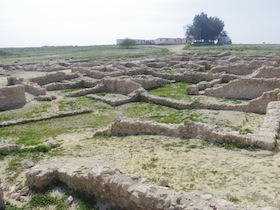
x=126, y=43
x=204, y=28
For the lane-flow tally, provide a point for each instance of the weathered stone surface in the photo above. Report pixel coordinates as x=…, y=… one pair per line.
x=61, y=114
x=124, y=191
x=69, y=200
x=12, y=97
x=235, y=89
x=53, y=143
x=196, y=130
x=238, y=68
x=163, y=181
x=53, y=77
x=8, y=147
x=45, y=98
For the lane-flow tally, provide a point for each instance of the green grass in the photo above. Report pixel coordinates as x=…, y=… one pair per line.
x=152, y=163
x=173, y=90
x=232, y=199
x=239, y=49
x=25, y=151
x=37, y=132
x=68, y=53
x=158, y=113
x=71, y=90
x=26, y=112
x=234, y=101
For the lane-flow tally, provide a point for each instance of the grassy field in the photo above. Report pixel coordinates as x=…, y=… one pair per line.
x=240, y=49
x=68, y=53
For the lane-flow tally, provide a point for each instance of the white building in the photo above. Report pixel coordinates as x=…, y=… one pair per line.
x=157, y=41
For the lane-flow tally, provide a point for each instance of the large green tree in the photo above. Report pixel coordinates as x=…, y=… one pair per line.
x=204, y=28
x=126, y=43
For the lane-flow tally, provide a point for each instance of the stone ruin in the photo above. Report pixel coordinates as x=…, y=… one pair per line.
x=126, y=191
x=12, y=97
x=255, y=79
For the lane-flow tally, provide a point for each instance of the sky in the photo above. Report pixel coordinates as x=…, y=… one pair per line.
x=35, y=23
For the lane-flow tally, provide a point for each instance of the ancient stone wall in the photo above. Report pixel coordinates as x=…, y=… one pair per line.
x=34, y=89
x=12, y=97
x=14, y=80
x=194, y=89
x=259, y=105
x=125, y=191
x=146, y=81
x=116, y=85
x=177, y=104
x=243, y=88
x=191, y=77
x=36, y=119
x=53, y=77
x=96, y=89
x=63, y=85
x=271, y=123
x=239, y=68
x=267, y=72
x=188, y=130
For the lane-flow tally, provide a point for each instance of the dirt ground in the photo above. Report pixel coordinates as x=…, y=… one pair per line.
x=239, y=175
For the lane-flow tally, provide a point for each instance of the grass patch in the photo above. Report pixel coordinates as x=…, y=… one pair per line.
x=160, y=114
x=37, y=132
x=173, y=90
x=26, y=112
x=232, y=146
x=232, y=199
x=72, y=90
x=35, y=150
x=68, y=53
x=152, y=163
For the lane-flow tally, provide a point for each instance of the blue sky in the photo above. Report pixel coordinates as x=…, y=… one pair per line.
x=29, y=23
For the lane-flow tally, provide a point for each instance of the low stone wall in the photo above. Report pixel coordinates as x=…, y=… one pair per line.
x=177, y=104
x=259, y=105
x=132, y=97
x=12, y=97
x=125, y=191
x=30, y=87
x=187, y=130
x=194, y=90
x=123, y=86
x=97, y=89
x=53, y=77
x=191, y=77
x=58, y=115
x=63, y=85
x=34, y=89
x=239, y=68
x=271, y=123
x=14, y=80
x=267, y=72
x=147, y=81
x=243, y=88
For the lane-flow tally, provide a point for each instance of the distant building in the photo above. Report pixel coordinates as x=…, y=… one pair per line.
x=158, y=41
x=170, y=41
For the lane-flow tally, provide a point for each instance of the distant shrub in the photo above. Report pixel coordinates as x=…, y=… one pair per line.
x=126, y=43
